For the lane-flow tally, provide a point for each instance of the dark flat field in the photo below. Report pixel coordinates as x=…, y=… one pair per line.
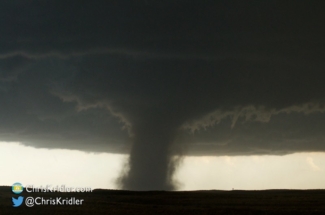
x=178, y=202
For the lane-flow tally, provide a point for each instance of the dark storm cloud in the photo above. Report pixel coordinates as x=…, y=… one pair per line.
x=146, y=78
x=71, y=27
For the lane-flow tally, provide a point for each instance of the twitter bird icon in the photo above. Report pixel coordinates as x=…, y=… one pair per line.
x=17, y=202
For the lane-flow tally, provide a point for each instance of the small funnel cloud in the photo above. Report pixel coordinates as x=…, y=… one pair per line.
x=155, y=127
x=150, y=161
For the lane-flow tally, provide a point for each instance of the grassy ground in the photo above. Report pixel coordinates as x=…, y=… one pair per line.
x=159, y=202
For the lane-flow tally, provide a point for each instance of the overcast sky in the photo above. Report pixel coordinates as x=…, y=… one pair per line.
x=157, y=81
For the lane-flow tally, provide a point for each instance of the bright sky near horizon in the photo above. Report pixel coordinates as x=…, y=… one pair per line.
x=74, y=168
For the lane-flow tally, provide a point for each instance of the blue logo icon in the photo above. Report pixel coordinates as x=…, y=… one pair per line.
x=17, y=202
x=17, y=188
